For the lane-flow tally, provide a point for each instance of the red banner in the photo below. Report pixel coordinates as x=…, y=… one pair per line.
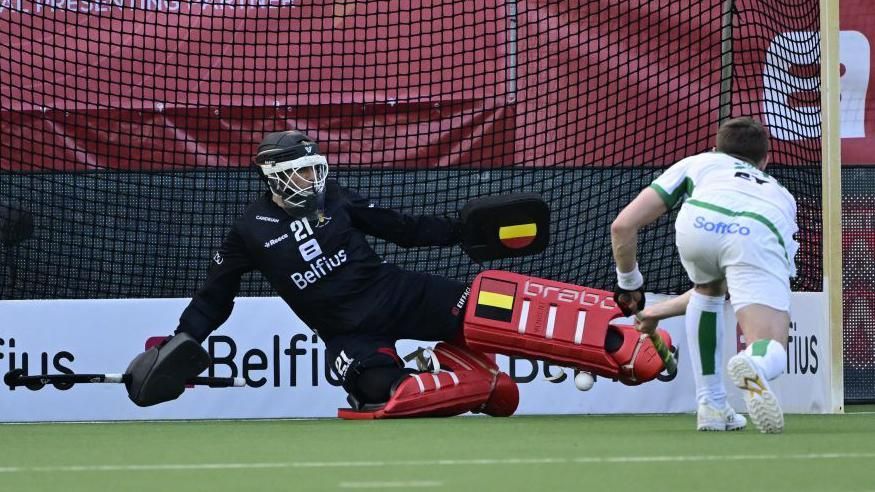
x=149, y=85
x=157, y=84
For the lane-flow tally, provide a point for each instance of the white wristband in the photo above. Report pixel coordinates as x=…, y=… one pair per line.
x=630, y=280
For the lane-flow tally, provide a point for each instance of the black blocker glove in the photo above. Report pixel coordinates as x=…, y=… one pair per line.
x=160, y=373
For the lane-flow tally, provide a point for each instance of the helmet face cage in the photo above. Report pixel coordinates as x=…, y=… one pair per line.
x=291, y=182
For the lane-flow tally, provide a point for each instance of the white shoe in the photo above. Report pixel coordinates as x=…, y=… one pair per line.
x=713, y=419
x=762, y=405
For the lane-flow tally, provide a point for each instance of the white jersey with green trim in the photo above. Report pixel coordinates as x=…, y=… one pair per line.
x=732, y=187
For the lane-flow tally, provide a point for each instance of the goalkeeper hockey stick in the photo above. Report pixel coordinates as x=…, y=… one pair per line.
x=17, y=377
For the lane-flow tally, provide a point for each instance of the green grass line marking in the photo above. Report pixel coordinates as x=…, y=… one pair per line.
x=446, y=462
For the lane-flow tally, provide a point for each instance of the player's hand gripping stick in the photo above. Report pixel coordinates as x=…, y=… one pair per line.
x=665, y=353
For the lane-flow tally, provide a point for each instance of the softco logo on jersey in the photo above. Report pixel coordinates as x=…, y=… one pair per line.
x=721, y=227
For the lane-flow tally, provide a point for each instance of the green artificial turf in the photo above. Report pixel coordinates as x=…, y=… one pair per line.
x=822, y=453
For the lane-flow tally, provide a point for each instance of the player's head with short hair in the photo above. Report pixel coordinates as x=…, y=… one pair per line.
x=745, y=138
x=294, y=170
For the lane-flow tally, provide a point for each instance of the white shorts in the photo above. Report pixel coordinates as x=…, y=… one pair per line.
x=743, y=250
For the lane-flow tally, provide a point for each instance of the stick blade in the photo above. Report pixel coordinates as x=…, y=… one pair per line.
x=12, y=377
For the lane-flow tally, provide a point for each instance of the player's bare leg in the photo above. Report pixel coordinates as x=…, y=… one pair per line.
x=765, y=358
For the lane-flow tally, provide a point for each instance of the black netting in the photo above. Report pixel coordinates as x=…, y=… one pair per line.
x=128, y=126
x=858, y=278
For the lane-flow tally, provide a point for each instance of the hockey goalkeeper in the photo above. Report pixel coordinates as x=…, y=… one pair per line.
x=307, y=237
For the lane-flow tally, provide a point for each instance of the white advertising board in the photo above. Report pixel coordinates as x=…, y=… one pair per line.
x=287, y=375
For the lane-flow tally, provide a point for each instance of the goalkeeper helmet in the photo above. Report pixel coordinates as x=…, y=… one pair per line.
x=294, y=170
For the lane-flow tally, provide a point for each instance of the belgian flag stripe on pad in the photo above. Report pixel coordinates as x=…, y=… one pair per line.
x=495, y=300
x=518, y=236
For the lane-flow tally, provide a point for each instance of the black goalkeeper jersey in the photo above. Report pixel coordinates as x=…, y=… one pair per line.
x=324, y=269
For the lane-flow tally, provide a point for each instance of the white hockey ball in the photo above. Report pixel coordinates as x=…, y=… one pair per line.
x=584, y=381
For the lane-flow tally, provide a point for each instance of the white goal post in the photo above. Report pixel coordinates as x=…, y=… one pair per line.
x=832, y=190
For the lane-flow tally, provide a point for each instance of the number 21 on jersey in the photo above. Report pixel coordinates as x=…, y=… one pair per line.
x=309, y=248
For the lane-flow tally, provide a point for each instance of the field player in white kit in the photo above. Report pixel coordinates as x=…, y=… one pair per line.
x=734, y=232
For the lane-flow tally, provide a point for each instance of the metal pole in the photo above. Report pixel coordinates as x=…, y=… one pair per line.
x=511, y=50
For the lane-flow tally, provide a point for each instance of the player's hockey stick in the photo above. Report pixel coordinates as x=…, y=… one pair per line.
x=668, y=356
x=669, y=360
x=17, y=377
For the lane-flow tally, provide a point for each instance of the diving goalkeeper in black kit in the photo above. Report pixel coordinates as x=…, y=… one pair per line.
x=307, y=237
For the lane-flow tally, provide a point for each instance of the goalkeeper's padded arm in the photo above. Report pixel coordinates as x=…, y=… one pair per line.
x=407, y=230
x=213, y=302
x=200, y=318
x=401, y=229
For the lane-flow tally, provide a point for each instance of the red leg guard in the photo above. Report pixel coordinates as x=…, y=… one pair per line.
x=474, y=384
x=562, y=323
x=505, y=395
